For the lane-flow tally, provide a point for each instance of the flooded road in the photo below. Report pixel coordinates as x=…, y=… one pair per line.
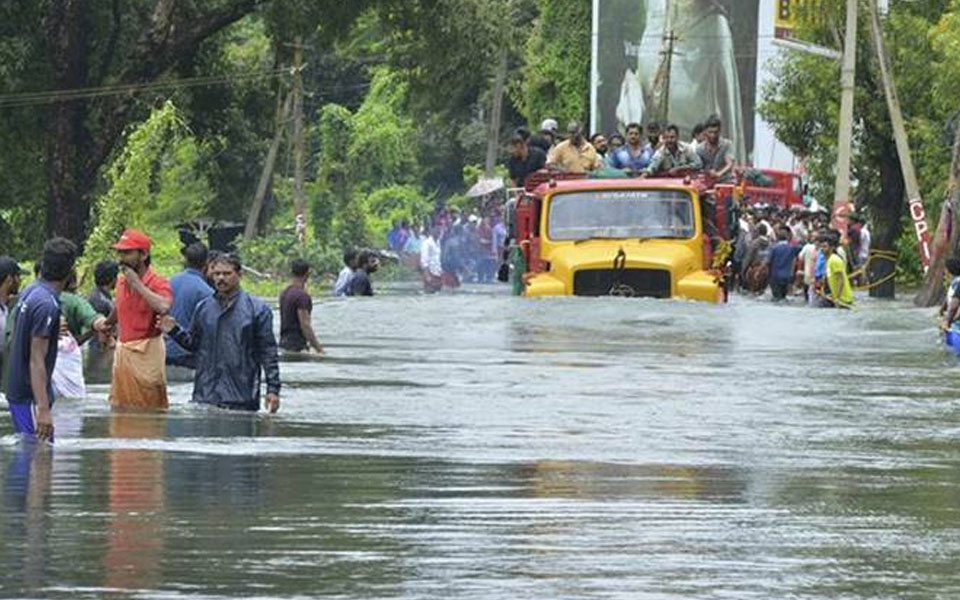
x=482, y=446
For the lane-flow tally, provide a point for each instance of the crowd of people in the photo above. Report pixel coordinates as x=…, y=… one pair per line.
x=642, y=152
x=451, y=247
x=138, y=325
x=796, y=252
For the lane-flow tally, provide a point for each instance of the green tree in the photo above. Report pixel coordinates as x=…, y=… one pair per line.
x=802, y=104
x=131, y=197
x=556, y=71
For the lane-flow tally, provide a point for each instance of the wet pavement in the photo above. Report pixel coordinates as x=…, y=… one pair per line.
x=481, y=446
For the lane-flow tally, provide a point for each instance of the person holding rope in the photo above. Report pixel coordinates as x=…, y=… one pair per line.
x=839, y=290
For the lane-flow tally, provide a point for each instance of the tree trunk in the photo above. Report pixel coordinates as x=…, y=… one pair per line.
x=70, y=181
x=946, y=238
x=887, y=212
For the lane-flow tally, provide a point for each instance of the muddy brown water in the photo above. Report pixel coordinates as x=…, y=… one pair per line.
x=481, y=446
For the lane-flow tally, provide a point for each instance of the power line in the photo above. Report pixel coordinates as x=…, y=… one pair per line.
x=46, y=97
x=40, y=98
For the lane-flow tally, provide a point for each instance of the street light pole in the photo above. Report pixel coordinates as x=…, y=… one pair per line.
x=848, y=74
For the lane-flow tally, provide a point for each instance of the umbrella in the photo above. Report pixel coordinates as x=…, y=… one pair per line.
x=485, y=186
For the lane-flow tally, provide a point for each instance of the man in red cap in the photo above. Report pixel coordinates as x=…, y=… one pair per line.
x=139, y=378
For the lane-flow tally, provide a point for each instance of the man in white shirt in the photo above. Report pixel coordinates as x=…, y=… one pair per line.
x=349, y=265
x=430, y=266
x=808, y=256
x=865, y=240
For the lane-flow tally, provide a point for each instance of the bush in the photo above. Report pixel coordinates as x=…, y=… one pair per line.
x=271, y=255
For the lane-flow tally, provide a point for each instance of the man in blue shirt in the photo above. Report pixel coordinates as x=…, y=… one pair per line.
x=33, y=348
x=189, y=289
x=783, y=257
x=635, y=155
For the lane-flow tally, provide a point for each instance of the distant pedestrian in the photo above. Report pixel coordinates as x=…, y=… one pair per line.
x=33, y=349
x=189, y=288
x=808, y=259
x=360, y=284
x=232, y=338
x=296, y=330
x=349, y=265
x=430, y=262
x=782, y=260
x=139, y=378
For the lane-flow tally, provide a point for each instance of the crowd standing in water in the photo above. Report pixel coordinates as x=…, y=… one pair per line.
x=218, y=331
x=203, y=322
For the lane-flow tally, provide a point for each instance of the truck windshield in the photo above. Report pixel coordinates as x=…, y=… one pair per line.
x=621, y=214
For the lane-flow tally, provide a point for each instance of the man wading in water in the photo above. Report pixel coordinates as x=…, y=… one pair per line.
x=296, y=331
x=139, y=377
x=232, y=337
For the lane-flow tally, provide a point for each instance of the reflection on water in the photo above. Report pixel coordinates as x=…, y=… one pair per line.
x=481, y=446
x=26, y=519
x=135, y=531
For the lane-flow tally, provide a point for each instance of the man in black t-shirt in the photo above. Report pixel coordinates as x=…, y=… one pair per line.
x=524, y=159
x=296, y=331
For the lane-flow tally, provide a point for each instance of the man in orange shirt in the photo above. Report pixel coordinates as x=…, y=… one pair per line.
x=139, y=379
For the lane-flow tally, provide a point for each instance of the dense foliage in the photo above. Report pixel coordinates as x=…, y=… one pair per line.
x=397, y=96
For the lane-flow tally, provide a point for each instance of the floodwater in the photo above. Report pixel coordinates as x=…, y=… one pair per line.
x=479, y=446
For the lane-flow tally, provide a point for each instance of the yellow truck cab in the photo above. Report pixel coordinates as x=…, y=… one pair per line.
x=619, y=237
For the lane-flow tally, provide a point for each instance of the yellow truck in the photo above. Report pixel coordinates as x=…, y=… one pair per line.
x=621, y=237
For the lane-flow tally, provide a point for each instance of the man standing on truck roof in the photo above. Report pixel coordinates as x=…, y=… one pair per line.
x=674, y=156
x=524, y=159
x=715, y=152
x=575, y=154
x=635, y=155
x=547, y=136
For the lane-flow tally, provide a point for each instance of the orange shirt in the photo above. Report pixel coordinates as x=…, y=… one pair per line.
x=135, y=319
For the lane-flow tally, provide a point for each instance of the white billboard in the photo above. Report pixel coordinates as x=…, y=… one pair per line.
x=680, y=61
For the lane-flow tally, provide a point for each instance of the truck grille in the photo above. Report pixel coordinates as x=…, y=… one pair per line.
x=637, y=283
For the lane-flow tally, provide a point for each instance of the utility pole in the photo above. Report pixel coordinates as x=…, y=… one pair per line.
x=298, y=140
x=848, y=76
x=283, y=113
x=915, y=202
x=671, y=40
x=493, y=136
x=661, y=81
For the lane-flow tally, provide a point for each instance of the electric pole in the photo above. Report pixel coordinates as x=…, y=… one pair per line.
x=283, y=113
x=915, y=202
x=848, y=76
x=298, y=141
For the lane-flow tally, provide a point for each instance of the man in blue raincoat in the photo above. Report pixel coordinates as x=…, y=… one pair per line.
x=232, y=337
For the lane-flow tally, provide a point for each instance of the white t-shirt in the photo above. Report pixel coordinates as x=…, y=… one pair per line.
x=809, y=257
x=340, y=288
x=864, y=243
x=430, y=257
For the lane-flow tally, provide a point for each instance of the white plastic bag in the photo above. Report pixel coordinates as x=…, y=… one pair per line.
x=68, y=379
